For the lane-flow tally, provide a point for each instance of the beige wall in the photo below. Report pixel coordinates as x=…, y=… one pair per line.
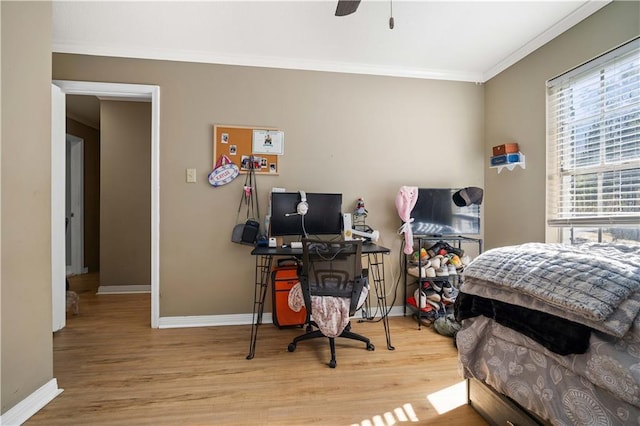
x=125, y=193
x=515, y=111
x=91, y=191
x=26, y=348
x=395, y=132
x=363, y=136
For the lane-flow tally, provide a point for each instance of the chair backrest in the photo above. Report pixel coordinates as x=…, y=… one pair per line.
x=332, y=269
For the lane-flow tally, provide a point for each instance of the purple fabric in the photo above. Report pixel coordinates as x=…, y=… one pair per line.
x=405, y=201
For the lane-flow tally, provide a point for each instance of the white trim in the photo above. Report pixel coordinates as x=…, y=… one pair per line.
x=124, y=289
x=119, y=90
x=236, y=319
x=266, y=62
x=141, y=92
x=22, y=411
x=561, y=26
x=58, y=243
x=155, y=206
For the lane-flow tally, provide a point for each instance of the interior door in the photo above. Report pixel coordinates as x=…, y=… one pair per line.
x=74, y=205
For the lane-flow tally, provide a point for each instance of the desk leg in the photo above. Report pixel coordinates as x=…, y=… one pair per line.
x=376, y=273
x=263, y=268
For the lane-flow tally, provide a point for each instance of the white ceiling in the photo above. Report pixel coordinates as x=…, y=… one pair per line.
x=450, y=40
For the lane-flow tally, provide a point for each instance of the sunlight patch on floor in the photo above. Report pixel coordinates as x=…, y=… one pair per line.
x=443, y=401
x=449, y=398
x=400, y=414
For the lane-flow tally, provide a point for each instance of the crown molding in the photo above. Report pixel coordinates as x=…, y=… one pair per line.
x=265, y=62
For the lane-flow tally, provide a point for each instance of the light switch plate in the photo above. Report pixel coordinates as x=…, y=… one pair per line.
x=191, y=175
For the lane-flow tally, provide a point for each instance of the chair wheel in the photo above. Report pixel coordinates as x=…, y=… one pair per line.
x=332, y=363
x=370, y=347
x=291, y=347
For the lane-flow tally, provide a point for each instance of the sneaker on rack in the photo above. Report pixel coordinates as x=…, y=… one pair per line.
x=447, y=288
x=446, y=300
x=416, y=272
x=436, y=285
x=435, y=249
x=420, y=298
x=430, y=272
x=436, y=305
x=436, y=261
x=453, y=250
x=431, y=294
x=454, y=260
x=420, y=255
x=442, y=271
x=451, y=269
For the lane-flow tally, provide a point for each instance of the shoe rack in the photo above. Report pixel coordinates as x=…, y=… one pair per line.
x=439, y=290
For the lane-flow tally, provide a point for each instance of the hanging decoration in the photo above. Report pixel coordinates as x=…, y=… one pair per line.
x=224, y=172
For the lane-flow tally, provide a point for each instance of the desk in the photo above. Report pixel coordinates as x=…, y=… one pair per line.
x=264, y=262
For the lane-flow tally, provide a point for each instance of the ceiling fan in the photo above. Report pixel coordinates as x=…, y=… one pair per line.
x=347, y=7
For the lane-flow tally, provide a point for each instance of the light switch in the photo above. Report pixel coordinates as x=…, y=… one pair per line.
x=191, y=175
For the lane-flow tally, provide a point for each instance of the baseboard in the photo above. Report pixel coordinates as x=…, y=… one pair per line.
x=210, y=320
x=233, y=319
x=29, y=406
x=124, y=289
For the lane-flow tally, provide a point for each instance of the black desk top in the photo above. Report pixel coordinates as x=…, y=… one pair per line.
x=288, y=251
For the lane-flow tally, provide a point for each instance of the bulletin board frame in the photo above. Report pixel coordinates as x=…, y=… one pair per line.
x=236, y=142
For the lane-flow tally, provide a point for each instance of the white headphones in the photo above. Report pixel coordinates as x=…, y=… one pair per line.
x=302, y=208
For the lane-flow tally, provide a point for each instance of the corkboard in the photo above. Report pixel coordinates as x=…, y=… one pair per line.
x=236, y=143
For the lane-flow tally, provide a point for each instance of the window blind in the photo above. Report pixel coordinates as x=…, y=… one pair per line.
x=593, y=142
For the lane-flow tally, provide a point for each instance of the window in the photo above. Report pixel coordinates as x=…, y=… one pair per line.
x=593, y=146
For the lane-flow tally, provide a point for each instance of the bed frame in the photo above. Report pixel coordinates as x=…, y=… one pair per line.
x=498, y=409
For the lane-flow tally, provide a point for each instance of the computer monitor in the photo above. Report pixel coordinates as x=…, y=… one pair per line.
x=435, y=213
x=324, y=216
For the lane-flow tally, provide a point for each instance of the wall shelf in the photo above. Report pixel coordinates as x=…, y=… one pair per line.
x=511, y=166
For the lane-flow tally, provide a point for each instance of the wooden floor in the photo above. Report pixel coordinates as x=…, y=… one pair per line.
x=116, y=370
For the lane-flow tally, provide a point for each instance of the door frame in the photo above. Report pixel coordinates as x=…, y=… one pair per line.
x=144, y=93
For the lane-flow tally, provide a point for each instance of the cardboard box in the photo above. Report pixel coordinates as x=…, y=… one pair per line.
x=498, y=160
x=505, y=148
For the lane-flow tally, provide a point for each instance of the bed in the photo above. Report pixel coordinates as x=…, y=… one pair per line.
x=553, y=331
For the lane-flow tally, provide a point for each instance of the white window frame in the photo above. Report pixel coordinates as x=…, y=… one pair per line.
x=609, y=202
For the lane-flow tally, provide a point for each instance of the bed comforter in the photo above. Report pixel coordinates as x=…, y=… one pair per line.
x=595, y=288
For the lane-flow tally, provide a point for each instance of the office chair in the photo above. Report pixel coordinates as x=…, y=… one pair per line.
x=331, y=269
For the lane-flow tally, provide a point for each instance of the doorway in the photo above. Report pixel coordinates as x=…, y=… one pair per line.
x=137, y=92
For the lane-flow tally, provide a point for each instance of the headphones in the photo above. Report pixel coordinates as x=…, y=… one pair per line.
x=303, y=207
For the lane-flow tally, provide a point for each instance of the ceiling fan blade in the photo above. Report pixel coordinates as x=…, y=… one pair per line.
x=347, y=7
